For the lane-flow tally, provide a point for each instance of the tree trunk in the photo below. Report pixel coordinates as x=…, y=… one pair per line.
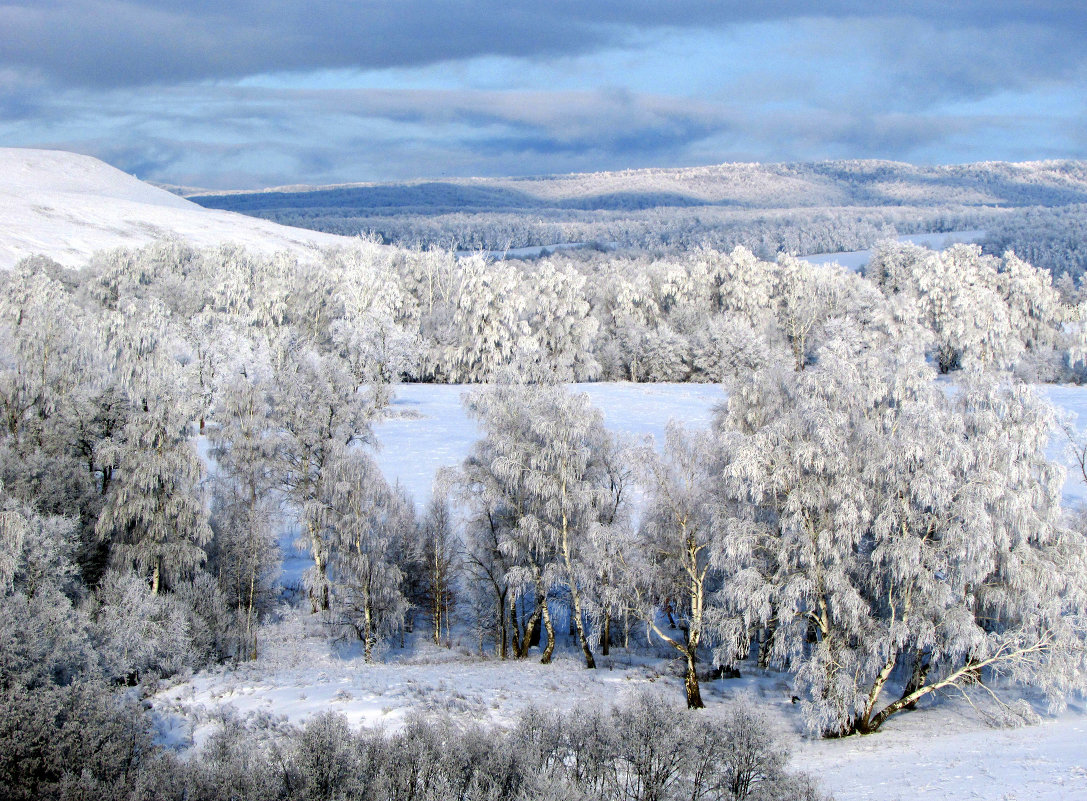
x=503, y=626
x=368, y=641
x=515, y=631
x=579, y=624
x=318, y=601
x=575, y=596
x=766, y=642
x=694, y=694
x=250, y=634
x=864, y=722
x=605, y=634
x=550, y=629
x=590, y=662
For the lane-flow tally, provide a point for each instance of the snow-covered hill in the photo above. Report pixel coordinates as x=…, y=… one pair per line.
x=68, y=206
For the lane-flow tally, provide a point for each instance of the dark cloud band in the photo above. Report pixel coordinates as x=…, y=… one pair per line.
x=107, y=43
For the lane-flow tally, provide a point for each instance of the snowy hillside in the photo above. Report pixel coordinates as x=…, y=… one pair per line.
x=68, y=206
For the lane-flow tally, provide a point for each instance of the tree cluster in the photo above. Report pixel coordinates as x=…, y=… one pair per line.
x=165, y=411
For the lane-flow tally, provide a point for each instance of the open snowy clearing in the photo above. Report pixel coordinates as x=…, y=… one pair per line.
x=427, y=427
x=68, y=206
x=946, y=750
x=856, y=259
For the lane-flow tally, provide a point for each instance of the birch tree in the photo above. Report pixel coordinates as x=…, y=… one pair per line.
x=554, y=453
x=363, y=521
x=676, y=538
x=438, y=555
x=883, y=530
x=246, y=447
x=319, y=408
x=513, y=559
x=154, y=515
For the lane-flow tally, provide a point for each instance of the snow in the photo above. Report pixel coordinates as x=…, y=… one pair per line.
x=67, y=206
x=428, y=428
x=855, y=259
x=299, y=674
x=938, y=754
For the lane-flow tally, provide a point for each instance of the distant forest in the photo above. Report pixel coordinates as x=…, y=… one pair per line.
x=1035, y=209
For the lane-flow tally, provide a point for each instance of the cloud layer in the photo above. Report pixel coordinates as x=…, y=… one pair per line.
x=251, y=93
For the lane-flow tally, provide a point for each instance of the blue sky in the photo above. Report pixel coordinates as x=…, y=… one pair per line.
x=257, y=93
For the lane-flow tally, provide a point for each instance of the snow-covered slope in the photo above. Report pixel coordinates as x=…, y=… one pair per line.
x=68, y=206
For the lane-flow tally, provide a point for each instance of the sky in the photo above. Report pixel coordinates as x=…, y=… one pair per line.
x=254, y=93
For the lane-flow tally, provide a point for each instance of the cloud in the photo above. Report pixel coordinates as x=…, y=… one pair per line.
x=228, y=137
x=110, y=43
x=244, y=94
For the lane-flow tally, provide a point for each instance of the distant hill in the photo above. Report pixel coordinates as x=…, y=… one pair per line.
x=749, y=186
x=67, y=206
x=722, y=204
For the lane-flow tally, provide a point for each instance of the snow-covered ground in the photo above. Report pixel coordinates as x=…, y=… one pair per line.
x=855, y=259
x=68, y=206
x=948, y=750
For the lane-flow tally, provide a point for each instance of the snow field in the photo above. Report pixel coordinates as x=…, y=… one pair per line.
x=945, y=751
x=855, y=259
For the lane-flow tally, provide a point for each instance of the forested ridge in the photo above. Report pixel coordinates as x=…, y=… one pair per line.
x=875, y=533
x=823, y=207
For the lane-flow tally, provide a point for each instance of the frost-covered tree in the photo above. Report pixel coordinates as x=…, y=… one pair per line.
x=631, y=312
x=437, y=555
x=489, y=329
x=319, y=408
x=562, y=328
x=154, y=515
x=13, y=531
x=503, y=555
x=363, y=523
x=246, y=448
x=744, y=285
x=375, y=330
x=611, y=542
x=982, y=311
x=139, y=631
x=675, y=541
x=552, y=454
x=487, y=571
x=880, y=529
x=808, y=297
x=43, y=352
